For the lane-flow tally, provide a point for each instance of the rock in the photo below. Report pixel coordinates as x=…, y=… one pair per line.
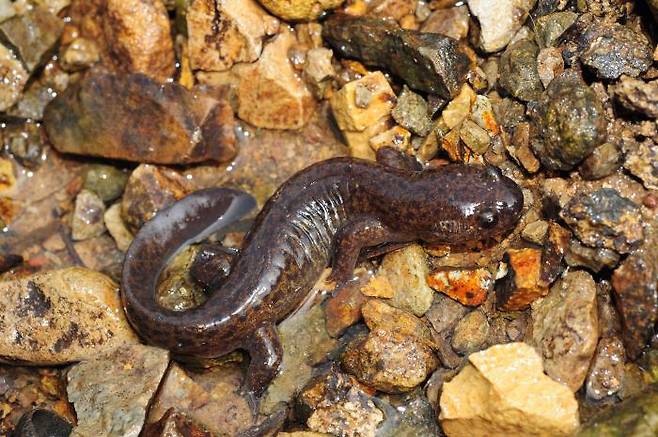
x=523, y=284
x=611, y=50
x=535, y=232
x=222, y=33
x=445, y=313
x=607, y=370
x=112, y=392
x=148, y=190
x=604, y=218
x=354, y=114
x=637, y=95
x=578, y=255
x=82, y=53
x=636, y=417
x=336, y=403
x=117, y=227
x=397, y=138
x=468, y=287
x=33, y=33
x=571, y=123
x=396, y=356
x=14, y=78
x=604, y=161
x=210, y=399
x=39, y=92
x=61, y=316
x=549, y=65
x=133, y=118
x=88, y=216
x=392, y=9
x=471, y=333
x=174, y=424
x=476, y=138
x=138, y=37
x=343, y=309
x=565, y=328
x=406, y=271
x=483, y=114
x=411, y=112
x=270, y=93
x=452, y=22
x=643, y=163
x=504, y=391
x=42, y=423
x=106, y=181
x=635, y=284
x=499, y=21
x=318, y=70
x=305, y=342
x=425, y=61
x=409, y=415
x=459, y=108
x=518, y=70
x=299, y=10
x=550, y=27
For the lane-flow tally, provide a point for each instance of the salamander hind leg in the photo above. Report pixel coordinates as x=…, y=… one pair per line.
x=265, y=353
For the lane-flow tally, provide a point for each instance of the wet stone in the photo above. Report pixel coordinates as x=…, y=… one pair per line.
x=549, y=64
x=452, y=22
x=392, y=9
x=39, y=92
x=445, y=313
x=571, y=122
x=174, y=424
x=80, y=54
x=513, y=397
x=468, y=287
x=593, y=259
x=411, y=112
x=607, y=370
x=535, y=232
x=499, y=20
x=643, y=163
x=88, y=216
x=550, y=27
x=565, y=328
x=112, y=392
x=363, y=102
x=117, y=227
x=611, y=50
x=42, y=423
x=425, y=61
x=476, y=138
x=133, y=118
x=106, y=181
x=34, y=34
x=300, y=10
x=397, y=138
x=14, y=78
x=343, y=308
x=523, y=283
x=518, y=70
x=604, y=161
x=637, y=95
x=459, y=108
x=471, y=333
x=604, y=218
x=318, y=70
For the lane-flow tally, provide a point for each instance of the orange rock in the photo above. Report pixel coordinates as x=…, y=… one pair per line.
x=344, y=308
x=378, y=286
x=468, y=287
x=523, y=283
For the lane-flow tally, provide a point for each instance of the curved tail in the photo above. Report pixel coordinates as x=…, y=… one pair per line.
x=189, y=220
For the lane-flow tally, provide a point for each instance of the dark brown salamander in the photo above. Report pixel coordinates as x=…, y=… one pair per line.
x=329, y=211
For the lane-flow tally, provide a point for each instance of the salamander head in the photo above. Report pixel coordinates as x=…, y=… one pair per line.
x=468, y=204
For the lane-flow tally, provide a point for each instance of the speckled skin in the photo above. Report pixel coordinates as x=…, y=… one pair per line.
x=327, y=212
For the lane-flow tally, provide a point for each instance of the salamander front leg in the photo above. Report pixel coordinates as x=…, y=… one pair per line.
x=265, y=353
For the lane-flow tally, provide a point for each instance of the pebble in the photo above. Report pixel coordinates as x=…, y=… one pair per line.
x=499, y=21
x=523, y=283
x=88, y=216
x=593, y=259
x=174, y=424
x=604, y=161
x=471, y=333
x=643, y=163
x=504, y=391
x=354, y=113
x=549, y=64
x=483, y=114
x=607, y=369
x=411, y=112
x=111, y=393
x=392, y=9
x=604, y=218
x=445, y=313
x=33, y=33
x=565, y=328
x=300, y=10
x=117, y=227
x=40, y=91
x=550, y=27
x=535, y=232
x=318, y=70
x=571, y=123
x=106, y=181
x=82, y=53
x=14, y=78
x=223, y=33
x=396, y=356
x=468, y=287
x=637, y=95
x=343, y=308
x=476, y=138
x=614, y=49
x=459, y=108
x=518, y=70
x=42, y=423
x=397, y=138
x=97, y=117
x=209, y=399
x=148, y=190
x=452, y=22
x=61, y=316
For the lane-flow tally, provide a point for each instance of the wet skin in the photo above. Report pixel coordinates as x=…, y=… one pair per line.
x=325, y=213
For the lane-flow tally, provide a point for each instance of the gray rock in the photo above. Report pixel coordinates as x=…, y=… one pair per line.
x=471, y=333
x=549, y=28
x=111, y=393
x=42, y=423
x=518, y=70
x=88, y=216
x=607, y=370
x=106, y=181
x=604, y=161
x=411, y=112
x=643, y=163
x=499, y=21
x=594, y=259
x=637, y=95
x=14, y=78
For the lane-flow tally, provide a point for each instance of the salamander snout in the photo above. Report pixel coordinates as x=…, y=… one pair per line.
x=509, y=203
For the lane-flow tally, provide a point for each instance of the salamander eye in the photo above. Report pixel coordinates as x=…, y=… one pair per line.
x=488, y=219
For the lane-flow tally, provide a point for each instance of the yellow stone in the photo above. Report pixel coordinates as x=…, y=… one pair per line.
x=397, y=137
x=299, y=10
x=7, y=178
x=459, y=108
x=504, y=391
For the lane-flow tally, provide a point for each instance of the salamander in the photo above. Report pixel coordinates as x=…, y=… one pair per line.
x=325, y=214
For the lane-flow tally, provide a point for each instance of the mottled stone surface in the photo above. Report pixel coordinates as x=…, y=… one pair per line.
x=425, y=61
x=299, y=10
x=637, y=95
x=112, y=392
x=468, y=287
x=499, y=20
x=87, y=216
x=14, y=78
x=523, y=283
x=471, y=333
x=134, y=118
x=607, y=370
x=643, y=163
x=61, y=316
x=565, y=328
x=518, y=70
x=504, y=391
x=452, y=22
x=411, y=112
